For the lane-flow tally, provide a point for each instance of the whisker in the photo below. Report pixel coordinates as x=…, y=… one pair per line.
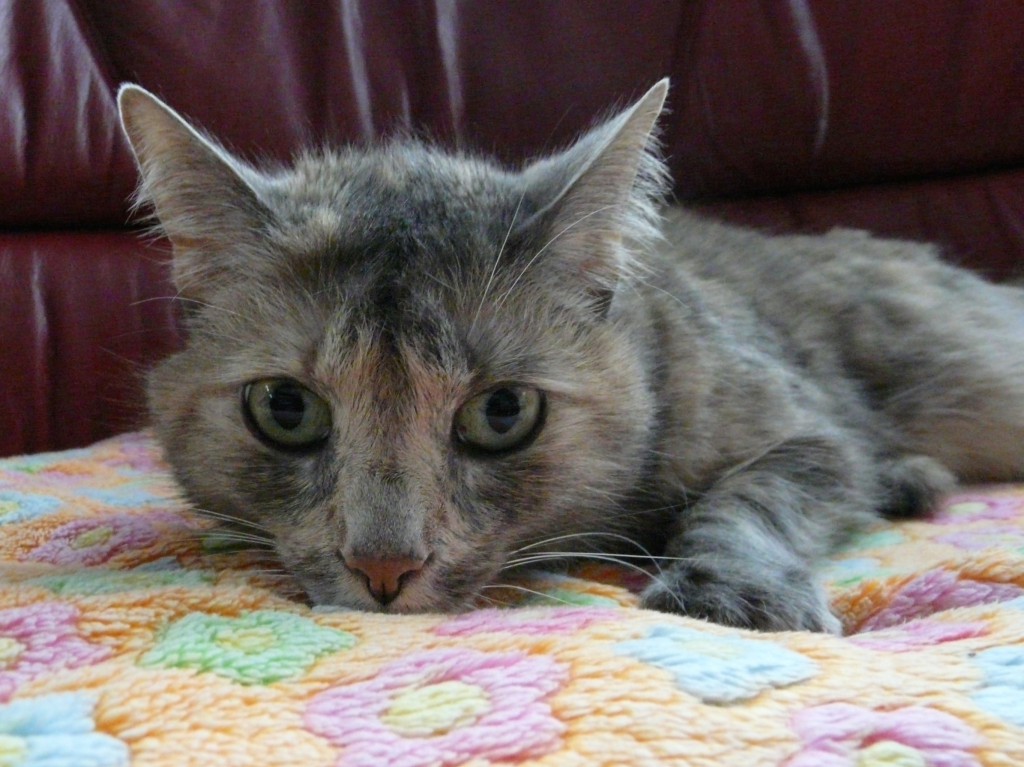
x=544, y=247
x=528, y=591
x=224, y=535
x=662, y=290
x=624, y=513
x=253, y=554
x=658, y=578
x=439, y=281
x=485, y=598
x=570, y=555
x=181, y=298
x=494, y=267
x=228, y=518
x=569, y=536
x=554, y=555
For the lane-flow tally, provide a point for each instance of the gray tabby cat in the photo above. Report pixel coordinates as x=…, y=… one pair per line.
x=412, y=371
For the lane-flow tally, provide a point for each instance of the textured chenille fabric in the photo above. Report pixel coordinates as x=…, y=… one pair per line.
x=128, y=636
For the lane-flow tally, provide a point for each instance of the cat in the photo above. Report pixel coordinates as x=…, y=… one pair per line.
x=410, y=371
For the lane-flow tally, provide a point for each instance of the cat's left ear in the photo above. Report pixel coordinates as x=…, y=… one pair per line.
x=604, y=194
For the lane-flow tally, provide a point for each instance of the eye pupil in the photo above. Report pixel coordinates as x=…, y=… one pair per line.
x=502, y=410
x=287, y=406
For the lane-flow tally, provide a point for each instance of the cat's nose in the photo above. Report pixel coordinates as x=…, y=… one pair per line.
x=385, y=576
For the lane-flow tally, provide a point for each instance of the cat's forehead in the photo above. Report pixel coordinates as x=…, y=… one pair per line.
x=397, y=215
x=398, y=247
x=403, y=190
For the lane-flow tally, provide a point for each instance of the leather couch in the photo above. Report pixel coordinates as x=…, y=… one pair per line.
x=904, y=118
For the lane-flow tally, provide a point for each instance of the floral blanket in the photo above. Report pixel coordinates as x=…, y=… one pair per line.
x=127, y=637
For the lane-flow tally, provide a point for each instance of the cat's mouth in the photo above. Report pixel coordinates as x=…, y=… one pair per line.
x=432, y=587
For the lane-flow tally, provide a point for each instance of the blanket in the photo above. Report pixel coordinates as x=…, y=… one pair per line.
x=128, y=637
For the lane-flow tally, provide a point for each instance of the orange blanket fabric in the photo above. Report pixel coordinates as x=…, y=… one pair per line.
x=128, y=637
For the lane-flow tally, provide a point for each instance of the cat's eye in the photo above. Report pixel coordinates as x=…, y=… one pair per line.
x=500, y=419
x=285, y=413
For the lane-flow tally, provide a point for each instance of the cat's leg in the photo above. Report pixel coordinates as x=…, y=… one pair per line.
x=743, y=555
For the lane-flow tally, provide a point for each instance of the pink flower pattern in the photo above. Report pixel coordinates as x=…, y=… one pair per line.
x=935, y=591
x=88, y=542
x=136, y=453
x=959, y=509
x=917, y=634
x=443, y=707
x=38, y=640
x=537, y=621
x=998, y=536
x=844, y=735
x=461, y=706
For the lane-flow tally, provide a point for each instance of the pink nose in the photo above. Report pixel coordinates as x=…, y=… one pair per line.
x=385, y=576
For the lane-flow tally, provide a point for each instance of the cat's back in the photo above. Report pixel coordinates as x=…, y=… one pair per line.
x=925, y=341
x=791, y=275
x=845, y=286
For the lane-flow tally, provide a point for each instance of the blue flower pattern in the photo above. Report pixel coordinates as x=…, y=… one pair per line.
x=719, y=669
x=56, y=730
x=122, y=496
x=18, y=507
x=1003, y=694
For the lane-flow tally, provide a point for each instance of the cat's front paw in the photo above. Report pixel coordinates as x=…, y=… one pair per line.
x=788, y=602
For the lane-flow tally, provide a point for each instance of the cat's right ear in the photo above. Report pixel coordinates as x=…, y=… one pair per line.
x=204, y=199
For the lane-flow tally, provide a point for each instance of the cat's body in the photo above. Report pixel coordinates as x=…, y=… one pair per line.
x=413, y=370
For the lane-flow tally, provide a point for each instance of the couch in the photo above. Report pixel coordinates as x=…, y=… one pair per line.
x=130, y=634
x=905, y=119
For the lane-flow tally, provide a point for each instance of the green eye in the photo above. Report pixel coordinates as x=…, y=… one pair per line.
x=285, y=413
x=500, y=419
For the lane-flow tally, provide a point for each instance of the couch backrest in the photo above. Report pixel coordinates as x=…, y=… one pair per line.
x=768, y=97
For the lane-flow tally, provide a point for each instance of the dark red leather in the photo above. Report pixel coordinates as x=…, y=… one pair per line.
x=977, y=220
x=906, y=118
x=84, y=313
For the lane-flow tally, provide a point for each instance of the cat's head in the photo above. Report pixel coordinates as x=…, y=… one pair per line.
x=404, y=364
